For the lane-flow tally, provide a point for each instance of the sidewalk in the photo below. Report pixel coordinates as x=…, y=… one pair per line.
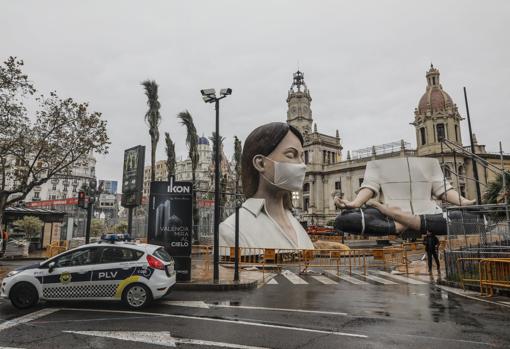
x=202, y=279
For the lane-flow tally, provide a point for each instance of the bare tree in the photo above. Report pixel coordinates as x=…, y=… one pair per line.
x=36, y=148
x=153, y=119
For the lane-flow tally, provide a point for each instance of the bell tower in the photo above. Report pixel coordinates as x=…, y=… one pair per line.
x=299, y=113
x=436, y=117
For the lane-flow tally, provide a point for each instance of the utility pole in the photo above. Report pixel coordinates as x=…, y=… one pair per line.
x=475, y=168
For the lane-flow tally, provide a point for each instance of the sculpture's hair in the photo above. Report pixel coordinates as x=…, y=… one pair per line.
x=263, y=140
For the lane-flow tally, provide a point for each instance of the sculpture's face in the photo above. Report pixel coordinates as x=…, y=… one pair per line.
x=289, y=150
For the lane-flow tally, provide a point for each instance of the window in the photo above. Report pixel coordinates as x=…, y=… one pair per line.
x=53, y=197
x=74, y=188
x=306, y=157
x=306, y=187
x=36, y=195
x=338, y=185
x=306, y=203
x=162, y=254
x=447, y=172
x=423, y=136
x=116, y=254
x=54, y=187
x=66, y=188
x=84, y=256
x=360, y=180
x=457, y=133
x=440, y=132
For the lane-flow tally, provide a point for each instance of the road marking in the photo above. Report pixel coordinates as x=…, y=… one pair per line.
x=27, y=318
x=324, y=280
x=402, y=278
x=272, y=282
x=163, y=338
x=352, y=280
x=296, y=280
x=237, y=322
x=199, y=304
x=376, y=279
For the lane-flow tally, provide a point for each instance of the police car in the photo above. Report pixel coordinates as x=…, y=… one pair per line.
x=107, y=270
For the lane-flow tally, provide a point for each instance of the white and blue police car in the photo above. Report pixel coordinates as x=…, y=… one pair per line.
x=132, y=272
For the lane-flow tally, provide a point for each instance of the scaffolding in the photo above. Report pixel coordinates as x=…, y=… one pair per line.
x=386, y=148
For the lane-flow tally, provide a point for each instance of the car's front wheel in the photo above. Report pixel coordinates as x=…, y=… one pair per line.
x=137, y=296
x=23, y=295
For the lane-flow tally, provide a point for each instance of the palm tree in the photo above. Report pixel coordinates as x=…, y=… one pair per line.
x=192, y=143
x=238, y=150
x=153, y=119
x=494, y=191
x=170, y=155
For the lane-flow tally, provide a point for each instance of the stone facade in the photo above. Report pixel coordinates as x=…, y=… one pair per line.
x=436, y=118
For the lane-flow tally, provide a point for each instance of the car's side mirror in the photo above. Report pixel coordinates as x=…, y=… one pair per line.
x=51, y=266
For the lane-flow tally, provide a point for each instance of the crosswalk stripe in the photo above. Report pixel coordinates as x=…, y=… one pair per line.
x=376, y=279
x=402, y=278
x=296, y=280
x=324, y=280
x=352, y=280
x=272, y=282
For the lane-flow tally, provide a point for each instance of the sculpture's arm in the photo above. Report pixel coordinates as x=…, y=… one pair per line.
x=453, y=197
x=363, y=196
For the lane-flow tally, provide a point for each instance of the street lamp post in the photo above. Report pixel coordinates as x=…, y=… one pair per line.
x=209, y=96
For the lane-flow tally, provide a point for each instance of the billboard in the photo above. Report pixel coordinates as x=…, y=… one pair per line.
x=108, y=186
x=132, y=177
x=170, y=222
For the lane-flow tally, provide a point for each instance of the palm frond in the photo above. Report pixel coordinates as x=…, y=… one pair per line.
x=191, y=137
x=170, y=155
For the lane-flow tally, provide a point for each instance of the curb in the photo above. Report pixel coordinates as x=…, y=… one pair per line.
x=223, y=285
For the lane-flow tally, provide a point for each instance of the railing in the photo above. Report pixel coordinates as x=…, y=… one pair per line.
x=345, y=261
x=486, y=273
x=494, y=274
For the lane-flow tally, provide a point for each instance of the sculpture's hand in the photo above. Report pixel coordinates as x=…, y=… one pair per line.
x=342, y=203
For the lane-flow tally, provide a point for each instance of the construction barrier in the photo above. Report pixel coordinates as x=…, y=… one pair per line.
x=57, y=247
x=494, y=274
x=346, y=261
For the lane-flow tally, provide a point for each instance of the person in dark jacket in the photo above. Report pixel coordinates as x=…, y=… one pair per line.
x=431, y=243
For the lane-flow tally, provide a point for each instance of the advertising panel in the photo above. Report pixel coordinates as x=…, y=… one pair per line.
x=170, y=222
x=132, y=178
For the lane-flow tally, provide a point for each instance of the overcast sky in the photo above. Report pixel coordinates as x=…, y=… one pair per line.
x=364, y=63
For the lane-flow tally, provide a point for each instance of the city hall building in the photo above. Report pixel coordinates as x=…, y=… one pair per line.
x=328, y=171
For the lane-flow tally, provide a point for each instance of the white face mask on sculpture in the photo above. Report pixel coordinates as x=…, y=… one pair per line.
x=287, y=175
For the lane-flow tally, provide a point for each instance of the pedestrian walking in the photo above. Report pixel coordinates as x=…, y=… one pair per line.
x=431, y=243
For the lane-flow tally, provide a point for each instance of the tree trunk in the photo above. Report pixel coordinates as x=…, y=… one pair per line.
x=3, y=201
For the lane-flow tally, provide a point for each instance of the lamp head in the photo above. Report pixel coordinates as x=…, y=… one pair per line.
x=210, y=92
x=226, y=91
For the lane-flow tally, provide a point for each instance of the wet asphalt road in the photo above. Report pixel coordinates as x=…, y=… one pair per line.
x=282, y=315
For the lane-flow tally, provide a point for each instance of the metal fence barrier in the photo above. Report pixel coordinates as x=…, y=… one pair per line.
x=341, y=261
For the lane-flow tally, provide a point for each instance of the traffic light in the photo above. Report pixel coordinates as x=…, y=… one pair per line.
x=82, y=199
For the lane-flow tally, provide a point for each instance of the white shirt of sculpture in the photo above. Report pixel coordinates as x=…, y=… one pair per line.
x=409, y=183
x=258, y=229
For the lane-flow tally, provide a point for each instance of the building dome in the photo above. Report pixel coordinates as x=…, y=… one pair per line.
x=203, y=141
x=435, y=98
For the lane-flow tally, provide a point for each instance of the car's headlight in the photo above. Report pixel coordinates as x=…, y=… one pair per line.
x=12, y=273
